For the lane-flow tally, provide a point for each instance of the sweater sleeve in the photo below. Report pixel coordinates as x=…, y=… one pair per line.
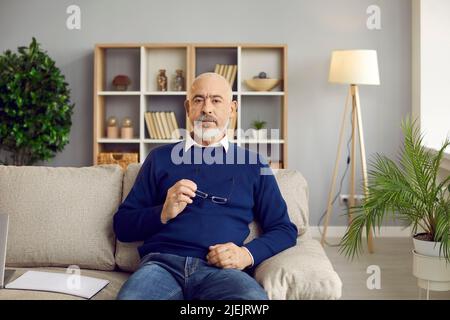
x=139, y=216
x=270, y=209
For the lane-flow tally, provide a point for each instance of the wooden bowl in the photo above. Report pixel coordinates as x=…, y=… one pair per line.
x=262, y=84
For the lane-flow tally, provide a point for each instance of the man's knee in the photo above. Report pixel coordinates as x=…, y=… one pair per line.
x=150, y=282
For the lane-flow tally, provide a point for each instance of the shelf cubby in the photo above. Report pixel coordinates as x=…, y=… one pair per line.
x=167, y=58
x=263, y=109
x=124, y=61
x=206, y=59
x=165, y=103
x=122, y=107
x=260, y=59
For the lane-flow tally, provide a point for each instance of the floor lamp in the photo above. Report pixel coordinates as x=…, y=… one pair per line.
x=352, y=67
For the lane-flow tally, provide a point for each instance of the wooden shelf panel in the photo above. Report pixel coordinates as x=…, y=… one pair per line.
x=165, y=93
x=119, y=93
x=262, y=141
x=262, y=93
x=107, y=140
x=162, y=140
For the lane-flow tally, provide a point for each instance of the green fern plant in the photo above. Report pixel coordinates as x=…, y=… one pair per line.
x=259, y=124
x=409, y=191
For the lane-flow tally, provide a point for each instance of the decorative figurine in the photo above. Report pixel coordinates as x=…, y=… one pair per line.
x=112, y=131
x=162, y=80
x=126, y=132
x=121, y=82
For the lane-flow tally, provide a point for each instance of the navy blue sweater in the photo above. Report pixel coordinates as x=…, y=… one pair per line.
x=251, y=195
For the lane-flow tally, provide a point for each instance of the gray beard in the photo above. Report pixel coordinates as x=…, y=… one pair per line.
x=209, y=134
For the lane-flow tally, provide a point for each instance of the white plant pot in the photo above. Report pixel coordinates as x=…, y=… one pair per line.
x=261, y=134
x=427, y=248
x=432, y=273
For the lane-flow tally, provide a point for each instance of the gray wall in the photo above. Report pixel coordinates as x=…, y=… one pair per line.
x=311, y=29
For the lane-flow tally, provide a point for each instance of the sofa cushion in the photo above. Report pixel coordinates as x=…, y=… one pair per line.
x=61, y=216
x=292, y=185
x=300, y=272
x=127, y=256
x=116, y=280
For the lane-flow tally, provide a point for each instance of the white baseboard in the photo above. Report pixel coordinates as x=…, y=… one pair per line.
x=385, y=232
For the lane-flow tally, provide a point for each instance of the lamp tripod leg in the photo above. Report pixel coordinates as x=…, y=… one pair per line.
x=336, y=164
x=363, y=160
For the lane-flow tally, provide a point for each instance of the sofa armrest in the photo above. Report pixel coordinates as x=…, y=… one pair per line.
x=300, y=272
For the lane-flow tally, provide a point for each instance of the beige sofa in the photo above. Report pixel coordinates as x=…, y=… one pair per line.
x=63, y=216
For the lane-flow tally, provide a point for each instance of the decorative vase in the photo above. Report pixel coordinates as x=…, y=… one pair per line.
x=162, y=80
x=179, y=80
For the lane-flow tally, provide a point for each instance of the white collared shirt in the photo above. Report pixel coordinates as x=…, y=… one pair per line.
x=191, y=142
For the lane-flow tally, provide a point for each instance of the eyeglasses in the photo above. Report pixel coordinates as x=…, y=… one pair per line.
x=215, y=199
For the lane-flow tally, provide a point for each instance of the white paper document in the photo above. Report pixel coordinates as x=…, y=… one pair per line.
x=77, y=285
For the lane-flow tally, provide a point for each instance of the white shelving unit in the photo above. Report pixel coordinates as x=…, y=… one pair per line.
x=141, y=62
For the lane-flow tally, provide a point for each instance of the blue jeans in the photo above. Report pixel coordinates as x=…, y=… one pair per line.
x=163, y=276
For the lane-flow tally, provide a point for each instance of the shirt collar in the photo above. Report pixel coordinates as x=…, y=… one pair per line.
x=189, y=142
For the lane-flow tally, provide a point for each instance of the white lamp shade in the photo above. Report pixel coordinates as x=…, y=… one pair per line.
x=354, y=67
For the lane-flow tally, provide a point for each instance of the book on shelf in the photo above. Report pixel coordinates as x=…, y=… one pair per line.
x=156, y=135
x=165, y=125
x=162, y=134
x=162, y=125
x=150, y=125
x=233, y=75
x=176, y=132
x=228, y=71
x=169, y=124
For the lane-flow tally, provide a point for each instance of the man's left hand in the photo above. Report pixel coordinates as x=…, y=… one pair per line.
x=229, y=256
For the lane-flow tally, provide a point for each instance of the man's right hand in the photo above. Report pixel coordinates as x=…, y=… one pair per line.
x=178, y=197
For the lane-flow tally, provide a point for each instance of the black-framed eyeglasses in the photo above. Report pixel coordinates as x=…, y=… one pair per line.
x=215, y=199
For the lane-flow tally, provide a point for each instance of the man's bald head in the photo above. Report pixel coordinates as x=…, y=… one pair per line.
x=211, y=81
x=209, y=106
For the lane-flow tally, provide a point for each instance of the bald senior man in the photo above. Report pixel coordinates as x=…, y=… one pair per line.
x=192, y=203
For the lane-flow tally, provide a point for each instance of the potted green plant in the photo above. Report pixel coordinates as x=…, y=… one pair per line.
x=258, y=129
x=410, y=191
x=35, y=108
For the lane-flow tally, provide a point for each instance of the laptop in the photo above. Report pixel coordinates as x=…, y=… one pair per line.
x=5, y=275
